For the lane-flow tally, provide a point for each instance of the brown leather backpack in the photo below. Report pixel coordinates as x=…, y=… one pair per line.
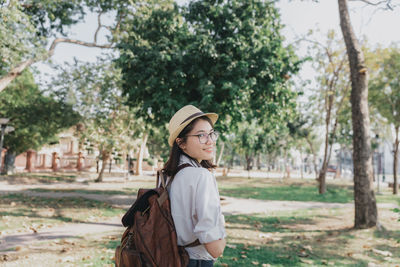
x=150, y=238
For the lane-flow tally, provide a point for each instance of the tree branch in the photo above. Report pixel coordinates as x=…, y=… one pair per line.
x=78, y=42
x=388, y=4
x=16, y=71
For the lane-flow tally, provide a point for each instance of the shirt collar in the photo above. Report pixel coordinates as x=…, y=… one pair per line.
x=185, y=159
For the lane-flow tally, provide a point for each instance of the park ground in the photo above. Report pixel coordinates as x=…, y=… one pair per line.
x=68, y=220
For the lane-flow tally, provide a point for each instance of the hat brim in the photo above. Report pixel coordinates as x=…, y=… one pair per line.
x=212, y=116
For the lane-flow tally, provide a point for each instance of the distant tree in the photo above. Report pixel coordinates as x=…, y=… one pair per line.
x=37, y=118
x=94, y=90
x=222, y=56
x=329, y=60
x=385, y=97
x=302, y=132
x=247, y=140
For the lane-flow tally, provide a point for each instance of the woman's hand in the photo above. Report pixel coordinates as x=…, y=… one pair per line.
x=216, y=248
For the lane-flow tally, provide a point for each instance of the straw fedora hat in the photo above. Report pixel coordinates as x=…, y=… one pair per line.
x=183, y=117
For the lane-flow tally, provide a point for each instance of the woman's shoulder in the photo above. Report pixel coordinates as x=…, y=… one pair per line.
x=196, y=173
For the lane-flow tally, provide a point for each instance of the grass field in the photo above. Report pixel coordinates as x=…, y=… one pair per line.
x=298, y=237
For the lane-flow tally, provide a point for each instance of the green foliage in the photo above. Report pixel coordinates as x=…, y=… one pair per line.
x=50, y=17
x=47, y=15
x=384, y=87
x=225, y=57
x=157, y=142
x=18, y=37
x=329, y=101
x=36, y=118
x=93, y=89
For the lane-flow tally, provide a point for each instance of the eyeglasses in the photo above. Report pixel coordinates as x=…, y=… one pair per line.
x=203, y=137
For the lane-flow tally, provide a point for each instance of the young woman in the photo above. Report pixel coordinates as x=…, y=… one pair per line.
x=194, y=196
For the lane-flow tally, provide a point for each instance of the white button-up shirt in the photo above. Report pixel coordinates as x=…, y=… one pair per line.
x=196, y=209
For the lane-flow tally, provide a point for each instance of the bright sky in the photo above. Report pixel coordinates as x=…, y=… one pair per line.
x=298, y=16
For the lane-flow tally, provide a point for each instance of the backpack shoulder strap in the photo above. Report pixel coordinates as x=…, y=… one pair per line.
x=180, y=167
x=163, y=178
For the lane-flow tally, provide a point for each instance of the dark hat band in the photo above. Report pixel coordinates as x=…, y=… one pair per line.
x=192, y=116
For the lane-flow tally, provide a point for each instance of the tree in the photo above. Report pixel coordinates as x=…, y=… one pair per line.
x=248, y=141
x=301, y=130
x=364, y=197
x=385, y=97
x=38, y=23
x=94, y=91
x=329, y=61
x=222, y=56
x=36, y=118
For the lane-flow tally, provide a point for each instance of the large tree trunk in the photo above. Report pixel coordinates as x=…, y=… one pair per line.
x=105, y=155
x=139, y=158
x=366, y=214
x=395, y=161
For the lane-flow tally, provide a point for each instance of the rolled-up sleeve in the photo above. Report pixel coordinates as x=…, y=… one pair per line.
x=208, y=218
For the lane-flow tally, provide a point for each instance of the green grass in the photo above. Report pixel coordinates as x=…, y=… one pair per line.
x=294, y=192
x=294, y=246
x=240, y=255
x=266, y=224
x=388, y=197
x=88, y=191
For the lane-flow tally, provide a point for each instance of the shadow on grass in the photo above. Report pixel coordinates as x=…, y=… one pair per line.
x=293, y=247
x=294, y=192
x=386, y=234
x=44, y=202
x=52, y=209
x=29, y=178
x=127, y=192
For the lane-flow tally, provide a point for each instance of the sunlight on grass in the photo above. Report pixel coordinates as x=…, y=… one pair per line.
x=334, y=194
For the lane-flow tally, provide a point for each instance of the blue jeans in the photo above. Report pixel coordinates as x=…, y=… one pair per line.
x=200, y=263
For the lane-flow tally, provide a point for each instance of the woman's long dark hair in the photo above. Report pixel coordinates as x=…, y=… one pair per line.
x=171, y=165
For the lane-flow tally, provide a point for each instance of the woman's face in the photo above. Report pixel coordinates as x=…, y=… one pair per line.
x=193, y=147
